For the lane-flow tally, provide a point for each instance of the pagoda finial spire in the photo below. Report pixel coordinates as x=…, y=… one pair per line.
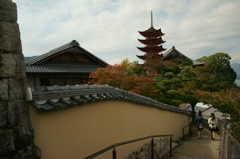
x=151, y=19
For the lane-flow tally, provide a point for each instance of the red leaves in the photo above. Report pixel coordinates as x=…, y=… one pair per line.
x=110, y=75
x=118, y=76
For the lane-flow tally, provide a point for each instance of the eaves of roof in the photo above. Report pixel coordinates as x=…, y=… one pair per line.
x=61, y=68
x=59, y=97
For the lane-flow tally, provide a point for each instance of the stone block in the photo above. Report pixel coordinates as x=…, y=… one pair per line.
x=31, y=152
x=4, y=89
x=6, y=141
x=8, y=11
x=3, y=114
x=12, y=114
x=16, y=90
x=23, y=138
x=8, y=65
x=21, y=68
x=7, y=157
x=18, y=114
x=9, y=38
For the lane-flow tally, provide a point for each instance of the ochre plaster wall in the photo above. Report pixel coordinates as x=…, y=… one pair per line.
x=77, y=132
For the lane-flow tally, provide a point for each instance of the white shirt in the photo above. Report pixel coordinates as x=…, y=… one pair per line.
x=212, y=122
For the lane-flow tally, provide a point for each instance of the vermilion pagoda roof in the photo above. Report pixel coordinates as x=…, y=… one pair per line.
x=151, y=33
x=152, y=49
x=153, y=43
x=143, y=57
x=148, y=42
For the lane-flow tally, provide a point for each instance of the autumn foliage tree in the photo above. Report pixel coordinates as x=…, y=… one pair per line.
x=174, y=82
x=125, y=76
x=178, y=82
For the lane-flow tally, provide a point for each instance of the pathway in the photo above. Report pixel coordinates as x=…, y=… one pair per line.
x=194, y=148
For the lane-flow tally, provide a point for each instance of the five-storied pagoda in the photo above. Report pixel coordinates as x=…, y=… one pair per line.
x=153, y=44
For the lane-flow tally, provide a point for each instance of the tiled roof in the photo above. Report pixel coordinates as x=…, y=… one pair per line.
x=73, y=43
x=63, y=68
x=172, y=50
x=59, y=97
x=52, y=52
x=28, y=58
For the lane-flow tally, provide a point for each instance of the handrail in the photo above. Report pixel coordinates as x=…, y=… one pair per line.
x=228, y=145
x=128, y=142
x=223, y=145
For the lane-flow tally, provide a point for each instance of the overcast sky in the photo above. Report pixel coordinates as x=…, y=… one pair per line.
x=108, y=28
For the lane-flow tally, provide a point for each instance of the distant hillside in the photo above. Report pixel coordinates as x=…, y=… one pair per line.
x=236, y=67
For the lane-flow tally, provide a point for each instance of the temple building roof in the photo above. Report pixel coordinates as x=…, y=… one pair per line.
x=55, y=68
x=61, y=49
x=71, y=58
x=173, y=51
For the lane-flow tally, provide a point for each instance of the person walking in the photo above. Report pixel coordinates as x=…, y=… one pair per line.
x=212, y=122
x=199, y=123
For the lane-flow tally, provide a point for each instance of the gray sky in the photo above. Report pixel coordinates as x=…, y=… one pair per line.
x=108, y=28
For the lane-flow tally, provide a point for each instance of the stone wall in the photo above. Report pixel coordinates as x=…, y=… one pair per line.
x=16, y=135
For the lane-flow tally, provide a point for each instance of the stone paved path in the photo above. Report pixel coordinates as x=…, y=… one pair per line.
x=194, y=148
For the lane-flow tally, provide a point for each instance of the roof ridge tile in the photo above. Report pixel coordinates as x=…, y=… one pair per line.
x=92, y=93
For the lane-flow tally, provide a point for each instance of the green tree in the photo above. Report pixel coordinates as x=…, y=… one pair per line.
x=176, y=83
x=217, y=73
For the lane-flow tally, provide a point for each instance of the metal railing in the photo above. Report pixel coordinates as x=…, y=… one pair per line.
x=114, y=146
x=225, y=145
x=229, y=146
